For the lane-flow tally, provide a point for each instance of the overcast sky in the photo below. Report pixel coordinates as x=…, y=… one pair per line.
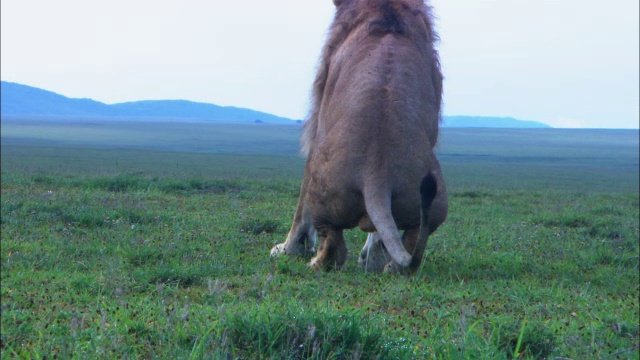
x=568, y=63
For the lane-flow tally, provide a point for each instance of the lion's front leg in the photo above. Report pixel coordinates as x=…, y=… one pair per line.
x=374, y=257
x=301, y=240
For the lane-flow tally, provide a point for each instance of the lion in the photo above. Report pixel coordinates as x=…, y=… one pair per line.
x=370, y=138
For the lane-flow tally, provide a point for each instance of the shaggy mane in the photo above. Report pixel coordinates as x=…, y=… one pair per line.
x=381, y=17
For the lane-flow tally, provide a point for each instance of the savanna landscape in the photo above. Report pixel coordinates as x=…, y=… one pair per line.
x=125, y=239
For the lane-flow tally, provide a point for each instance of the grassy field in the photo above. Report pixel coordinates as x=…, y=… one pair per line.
x=153, y=242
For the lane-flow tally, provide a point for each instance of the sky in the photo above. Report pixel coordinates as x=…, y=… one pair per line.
x=567, y=63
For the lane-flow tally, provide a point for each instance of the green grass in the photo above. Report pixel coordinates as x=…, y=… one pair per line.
x=200, y=137
x=136, y=266
x=166, y=255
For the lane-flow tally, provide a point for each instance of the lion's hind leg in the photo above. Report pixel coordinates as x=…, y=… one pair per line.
x=332, y=250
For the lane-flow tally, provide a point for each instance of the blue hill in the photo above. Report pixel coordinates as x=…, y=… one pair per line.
x=19, y=100
x=16, y=99
x=22, y=101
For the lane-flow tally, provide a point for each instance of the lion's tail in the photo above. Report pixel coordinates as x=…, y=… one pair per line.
x=378, y=205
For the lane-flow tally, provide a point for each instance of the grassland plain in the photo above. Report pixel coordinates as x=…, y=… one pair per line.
x=133, y=250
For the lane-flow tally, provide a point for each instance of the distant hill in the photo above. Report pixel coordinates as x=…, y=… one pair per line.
x=16, y=99
x=22, y=101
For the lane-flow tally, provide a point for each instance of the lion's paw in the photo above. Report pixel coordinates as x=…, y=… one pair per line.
x=315, y=264
x=278, y=250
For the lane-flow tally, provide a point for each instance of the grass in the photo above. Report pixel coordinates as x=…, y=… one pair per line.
x=147, y=260
x=200, y=137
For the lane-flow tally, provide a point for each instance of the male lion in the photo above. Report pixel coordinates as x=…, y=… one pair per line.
x=370, y=139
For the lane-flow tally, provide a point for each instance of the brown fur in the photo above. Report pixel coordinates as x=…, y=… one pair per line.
x=347, y=18
x=371, y=133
